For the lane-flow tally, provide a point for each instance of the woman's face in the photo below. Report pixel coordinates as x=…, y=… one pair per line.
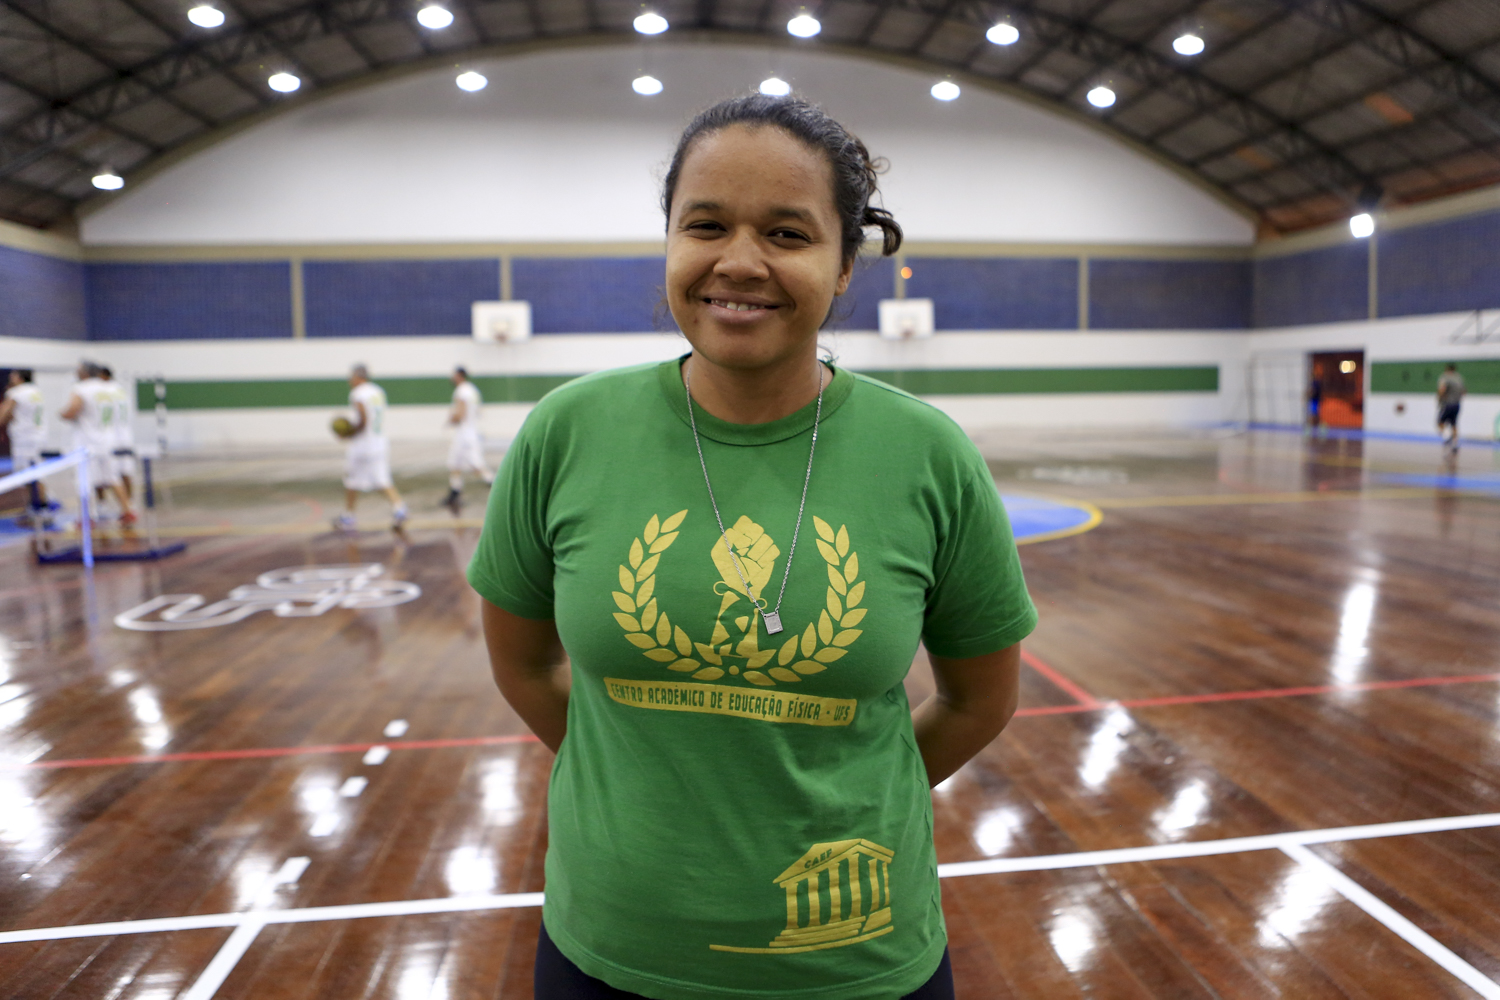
x=754, y=255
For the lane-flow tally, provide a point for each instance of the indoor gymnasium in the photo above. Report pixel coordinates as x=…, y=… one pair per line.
x=293, y=298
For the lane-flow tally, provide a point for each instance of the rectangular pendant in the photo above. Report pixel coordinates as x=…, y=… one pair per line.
x=772, y=620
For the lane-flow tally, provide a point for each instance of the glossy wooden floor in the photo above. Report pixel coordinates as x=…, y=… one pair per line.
x=1264, y=635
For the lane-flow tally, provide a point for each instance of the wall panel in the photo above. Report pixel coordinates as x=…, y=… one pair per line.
x=1006, y=293
x=189, y=301
x=1448, y=266
x=41, y=296
x=590, y=294
x=1319, y=286
x=395, y=298
x=1169, y=294
x=874, y=279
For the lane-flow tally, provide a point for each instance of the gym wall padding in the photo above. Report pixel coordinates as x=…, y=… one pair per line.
x=395, y=298
x=1319, y=286
x=189, y=301
x=998, y=293
x=1447, y=266
x=590, y=294
x=41, y=296
x=1169, y=295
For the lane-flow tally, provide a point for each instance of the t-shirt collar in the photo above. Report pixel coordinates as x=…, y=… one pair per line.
x=669, y=376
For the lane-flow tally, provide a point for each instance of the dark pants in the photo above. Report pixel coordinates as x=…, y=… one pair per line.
x=557, y=978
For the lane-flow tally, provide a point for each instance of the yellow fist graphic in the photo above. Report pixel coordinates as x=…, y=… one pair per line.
x=755, y=551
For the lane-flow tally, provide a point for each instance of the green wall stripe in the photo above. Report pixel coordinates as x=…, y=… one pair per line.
x=1481, y=378
x=226, y=394
x=996, y=381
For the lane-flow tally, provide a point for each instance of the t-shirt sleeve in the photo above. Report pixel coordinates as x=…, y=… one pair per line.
x=512, y=567
x=978, y=603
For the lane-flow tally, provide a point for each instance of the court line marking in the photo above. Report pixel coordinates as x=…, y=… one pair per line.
x=471, y=741
x=1234, y=499
x=1394, y=921
x=1096, y=517
x=1072, y=690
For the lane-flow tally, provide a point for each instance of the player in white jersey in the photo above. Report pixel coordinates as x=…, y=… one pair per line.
x=25, y=420
x=367, y=455
x=91, y=410
x=124, y=430
x=466, y=453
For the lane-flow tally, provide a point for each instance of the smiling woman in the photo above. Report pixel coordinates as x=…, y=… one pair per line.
x=725, y=817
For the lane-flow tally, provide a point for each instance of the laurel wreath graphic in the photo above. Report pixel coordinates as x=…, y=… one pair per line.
x=823, y=642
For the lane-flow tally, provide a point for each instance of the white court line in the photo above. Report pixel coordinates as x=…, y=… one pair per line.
x=1395, y=922
x=225, y=960
x=376, y=756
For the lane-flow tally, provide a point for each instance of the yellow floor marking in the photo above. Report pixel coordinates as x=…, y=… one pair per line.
x=1305, y=496
x=1095, y=516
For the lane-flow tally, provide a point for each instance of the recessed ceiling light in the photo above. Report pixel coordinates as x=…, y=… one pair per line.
x=107, y=180
x=434, y=17
x=1101, y=96
x=775, y=86
x=471, y=81
x=1362, y=225
x=646, y=85
x=1003, y=34
x=804, y=26
x=283, y=83
x=946, y=90
x=650, y=23
x=1187, y=44
x=205, y=16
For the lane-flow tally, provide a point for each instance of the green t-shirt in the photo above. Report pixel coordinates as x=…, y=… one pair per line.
x=734, y=813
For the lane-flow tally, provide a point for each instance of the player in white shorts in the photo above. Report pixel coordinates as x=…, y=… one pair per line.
x=25, y=420
x=367, y=455
x=466, y=453
x=91, y=410
x=124, y=430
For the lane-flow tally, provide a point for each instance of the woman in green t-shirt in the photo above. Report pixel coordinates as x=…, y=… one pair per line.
x=704, y=583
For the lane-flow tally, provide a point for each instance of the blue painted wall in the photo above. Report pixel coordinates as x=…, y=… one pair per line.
x=590, y=294
x=189, y=301
x=859, y=309
x=1319, y=286
x=395, y=298
x=977, y=293
x=41, y=296
x=1169, y=294
x=1448, y=266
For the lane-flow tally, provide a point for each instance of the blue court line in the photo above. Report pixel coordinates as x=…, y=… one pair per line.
x=1468, y=484
x=1351, y=434
x=1034, y=519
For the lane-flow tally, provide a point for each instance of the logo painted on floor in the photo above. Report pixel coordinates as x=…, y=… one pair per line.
x=293, y=592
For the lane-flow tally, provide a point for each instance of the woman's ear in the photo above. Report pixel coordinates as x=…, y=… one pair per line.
x=845, y=274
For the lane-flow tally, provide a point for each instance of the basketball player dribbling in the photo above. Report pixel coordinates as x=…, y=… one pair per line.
x=367, y=455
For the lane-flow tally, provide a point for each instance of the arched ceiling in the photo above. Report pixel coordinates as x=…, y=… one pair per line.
x=1298, y=110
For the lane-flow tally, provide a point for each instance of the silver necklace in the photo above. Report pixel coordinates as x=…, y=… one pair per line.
x=772, y=618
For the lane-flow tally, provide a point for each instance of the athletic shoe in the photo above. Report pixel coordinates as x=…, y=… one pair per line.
x=344, y=522
x=398, y=517
x=453, y=501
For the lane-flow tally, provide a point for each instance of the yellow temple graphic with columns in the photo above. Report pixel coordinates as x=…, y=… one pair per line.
x=836, y=894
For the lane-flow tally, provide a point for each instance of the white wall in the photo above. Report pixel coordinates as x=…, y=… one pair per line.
x=559, y=149
x=1419, y=338
x=204, y=430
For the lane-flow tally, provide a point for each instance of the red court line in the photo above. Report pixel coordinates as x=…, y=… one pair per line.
x=252, y=752
x=471, y=741
x=1078, y=694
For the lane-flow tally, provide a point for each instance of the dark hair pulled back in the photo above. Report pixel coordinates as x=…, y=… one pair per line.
x=854, y=172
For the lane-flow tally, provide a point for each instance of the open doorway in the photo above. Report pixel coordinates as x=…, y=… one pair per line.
x=1337, y=378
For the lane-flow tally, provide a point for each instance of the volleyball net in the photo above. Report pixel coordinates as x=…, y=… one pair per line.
x=78, y=460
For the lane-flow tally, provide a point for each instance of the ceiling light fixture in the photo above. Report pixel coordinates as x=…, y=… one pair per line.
x=1187, y=44
x=1362, y=225
x=471, y=81
x=646, y=86
x=283, y=83
x=107, y=180
x=1101, y=96
x=775, y=86
x=205, y=16
x=946, y=90
x=650, y=23
x=434, y=17
x=1003, y=34
x=804, y=26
